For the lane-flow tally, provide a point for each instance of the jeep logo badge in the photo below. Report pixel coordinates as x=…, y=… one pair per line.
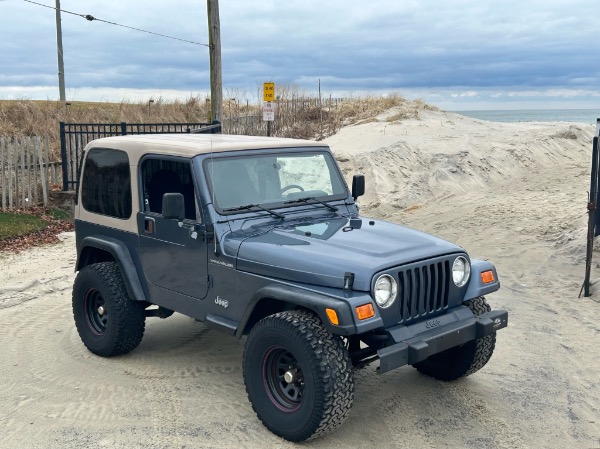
x=221, y=302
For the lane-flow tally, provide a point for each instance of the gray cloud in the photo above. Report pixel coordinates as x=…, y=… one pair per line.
x=350, y=45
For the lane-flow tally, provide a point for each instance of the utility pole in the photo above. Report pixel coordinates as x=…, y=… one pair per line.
x=214, y=43
x=61, y=65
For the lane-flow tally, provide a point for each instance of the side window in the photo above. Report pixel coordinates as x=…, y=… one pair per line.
x=160, y=176
x=106, y=186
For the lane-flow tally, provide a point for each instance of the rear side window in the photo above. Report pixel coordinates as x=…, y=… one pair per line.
x=106, y=185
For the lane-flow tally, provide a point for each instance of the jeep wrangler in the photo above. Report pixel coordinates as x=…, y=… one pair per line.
x=261, y=238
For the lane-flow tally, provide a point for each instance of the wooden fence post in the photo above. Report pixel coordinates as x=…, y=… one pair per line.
x=22, y=150
x=28, y=199
x=9, y=159
x=16, y=147
x=43, y=175
x=33, y=146
x=2, y=143
x=48, y=168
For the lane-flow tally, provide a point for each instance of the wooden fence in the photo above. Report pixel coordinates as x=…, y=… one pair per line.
x=26, y=173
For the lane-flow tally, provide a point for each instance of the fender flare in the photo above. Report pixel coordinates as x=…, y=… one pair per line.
x=476, y=287
x=122, y=256
x=315, y=301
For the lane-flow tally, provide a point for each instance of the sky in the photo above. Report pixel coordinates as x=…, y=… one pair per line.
x=457, y=55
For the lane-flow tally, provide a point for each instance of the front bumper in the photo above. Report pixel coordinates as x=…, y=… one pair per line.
x=414, y=343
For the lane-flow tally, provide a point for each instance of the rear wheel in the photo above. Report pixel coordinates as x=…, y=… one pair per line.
x=107, y=320
x=298, y=376
x=463, y=360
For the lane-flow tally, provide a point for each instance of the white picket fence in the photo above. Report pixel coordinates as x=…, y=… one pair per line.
x=26, y=173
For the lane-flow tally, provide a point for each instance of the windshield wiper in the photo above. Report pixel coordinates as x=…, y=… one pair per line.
x=252, y=206
x=312, y=198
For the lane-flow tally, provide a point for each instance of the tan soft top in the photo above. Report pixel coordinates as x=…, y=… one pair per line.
x=183, y=145
x=188, y=145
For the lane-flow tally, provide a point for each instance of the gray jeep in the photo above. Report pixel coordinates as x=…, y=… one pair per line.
x=261, y=237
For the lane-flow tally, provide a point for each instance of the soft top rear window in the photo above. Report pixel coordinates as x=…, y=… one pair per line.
x=106, y=183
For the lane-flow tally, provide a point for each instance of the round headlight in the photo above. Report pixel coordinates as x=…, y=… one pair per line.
x=386, y=289
x=461, y=271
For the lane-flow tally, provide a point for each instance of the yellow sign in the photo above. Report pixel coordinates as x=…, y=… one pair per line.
x=269, y=92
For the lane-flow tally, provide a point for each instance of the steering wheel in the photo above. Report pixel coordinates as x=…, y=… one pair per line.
x=291, y=186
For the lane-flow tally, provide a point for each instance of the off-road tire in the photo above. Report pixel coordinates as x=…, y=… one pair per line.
x=319, y=400
x=120, y=327
x=463, y=360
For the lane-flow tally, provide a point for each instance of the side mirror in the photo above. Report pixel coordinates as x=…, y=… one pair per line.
x=358, y=186
x=173, y=206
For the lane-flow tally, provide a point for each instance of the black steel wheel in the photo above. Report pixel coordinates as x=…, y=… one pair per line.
x=298, y=375
x=463, y=360
x=107, y=320
x=95, y=311
x=283, y=378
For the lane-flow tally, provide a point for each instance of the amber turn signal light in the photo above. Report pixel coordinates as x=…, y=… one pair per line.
x=332, y=315
x=487, y=277
x=365, y=311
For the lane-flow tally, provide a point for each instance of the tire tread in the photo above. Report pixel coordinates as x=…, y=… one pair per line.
x=463, y=361
x=127, y=316
x=334, y=365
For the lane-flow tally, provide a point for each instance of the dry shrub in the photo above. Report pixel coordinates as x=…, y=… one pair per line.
x=566, y=134
x=420, y=104
x=404, y=115
x=298, y=114
x=356, y=109
x=41, y=118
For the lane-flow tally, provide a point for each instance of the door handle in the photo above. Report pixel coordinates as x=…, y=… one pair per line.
x=149, y=225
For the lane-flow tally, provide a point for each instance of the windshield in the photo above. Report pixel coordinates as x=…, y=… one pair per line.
x=273, y=179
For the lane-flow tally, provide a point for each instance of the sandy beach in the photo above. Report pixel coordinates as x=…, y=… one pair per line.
x=513, y=193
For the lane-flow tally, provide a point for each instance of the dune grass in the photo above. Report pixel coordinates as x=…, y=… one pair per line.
x=306, y=115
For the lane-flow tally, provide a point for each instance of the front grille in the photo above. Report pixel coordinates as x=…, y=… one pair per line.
x=423, y=290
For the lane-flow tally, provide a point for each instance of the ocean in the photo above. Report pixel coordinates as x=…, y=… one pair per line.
x=536, y=115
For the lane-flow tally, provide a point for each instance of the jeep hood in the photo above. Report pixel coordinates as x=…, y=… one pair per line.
x=321, y=252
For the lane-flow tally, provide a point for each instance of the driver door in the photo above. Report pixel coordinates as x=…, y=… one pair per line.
x=173, y=254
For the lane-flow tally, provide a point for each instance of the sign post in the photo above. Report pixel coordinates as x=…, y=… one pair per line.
x=268, y=105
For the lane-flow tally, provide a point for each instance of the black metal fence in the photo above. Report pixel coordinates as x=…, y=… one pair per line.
x=593, y=211
x=75, y=136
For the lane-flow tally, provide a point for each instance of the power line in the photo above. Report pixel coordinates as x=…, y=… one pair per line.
x=92, y=18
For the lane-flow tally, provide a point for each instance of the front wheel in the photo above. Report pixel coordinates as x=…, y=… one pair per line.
x=298, y=376
x=463, y=360
x=107, y=320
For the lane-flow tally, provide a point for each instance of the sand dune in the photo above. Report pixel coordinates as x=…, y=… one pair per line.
x=512, y=193
x=411, y=161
